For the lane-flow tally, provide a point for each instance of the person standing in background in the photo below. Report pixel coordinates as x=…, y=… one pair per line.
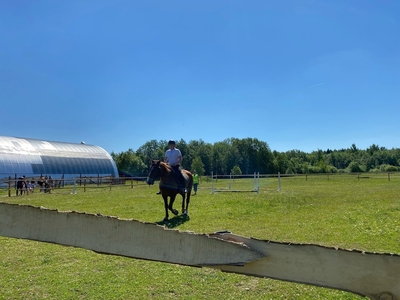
x=195, y=182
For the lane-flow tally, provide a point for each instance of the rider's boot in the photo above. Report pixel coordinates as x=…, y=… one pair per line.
x=182, y=189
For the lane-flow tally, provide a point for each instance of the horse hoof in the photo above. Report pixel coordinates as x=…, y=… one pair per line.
x=175, y=212
x=165, y=220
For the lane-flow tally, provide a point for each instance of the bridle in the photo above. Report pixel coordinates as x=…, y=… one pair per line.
x=153, y=173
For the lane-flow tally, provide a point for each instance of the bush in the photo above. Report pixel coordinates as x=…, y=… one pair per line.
x=332, y=169
x=388, y=168
x=355, y=167
x=236, y=170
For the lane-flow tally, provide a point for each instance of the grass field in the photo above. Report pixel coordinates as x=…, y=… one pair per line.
x=342, y=211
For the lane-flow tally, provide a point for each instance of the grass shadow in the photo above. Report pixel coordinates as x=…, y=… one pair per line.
x=175, y=221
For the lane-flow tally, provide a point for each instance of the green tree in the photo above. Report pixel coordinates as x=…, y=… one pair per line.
x=281, y=162
x=128, y=162
x=152, y=150
x=236, y=170
x=255, y=155
x=198, y=165
x=252, y=155
x=372, y=149
x=204, y=151
x=220, y=157
x=353, y=148
x=186, y=157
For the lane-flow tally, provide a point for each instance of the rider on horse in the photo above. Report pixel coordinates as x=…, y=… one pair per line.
x=173, y=157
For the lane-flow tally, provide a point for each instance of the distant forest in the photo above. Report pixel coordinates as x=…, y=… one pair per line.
x=249, y=155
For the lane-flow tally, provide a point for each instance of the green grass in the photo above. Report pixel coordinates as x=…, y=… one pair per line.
x=343, y=211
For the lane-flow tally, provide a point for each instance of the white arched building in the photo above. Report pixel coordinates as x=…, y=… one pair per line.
x=31, y=157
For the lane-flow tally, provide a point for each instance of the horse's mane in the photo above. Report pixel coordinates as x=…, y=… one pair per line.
x=166, y=166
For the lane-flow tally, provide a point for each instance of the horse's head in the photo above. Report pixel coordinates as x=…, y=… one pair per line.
x=154, y=172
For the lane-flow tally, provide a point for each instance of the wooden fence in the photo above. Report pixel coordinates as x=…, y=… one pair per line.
x=43, y=184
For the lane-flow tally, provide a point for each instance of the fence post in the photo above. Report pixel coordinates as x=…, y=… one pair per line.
x=212, y=182
x=9, y=186
x=279, y=181
x=84, y=185
x=389, y=176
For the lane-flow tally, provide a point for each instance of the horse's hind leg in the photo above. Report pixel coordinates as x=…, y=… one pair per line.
x=185, y=209
x=183, y=205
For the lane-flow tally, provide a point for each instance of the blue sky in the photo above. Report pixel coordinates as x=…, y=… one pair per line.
x=303, y=75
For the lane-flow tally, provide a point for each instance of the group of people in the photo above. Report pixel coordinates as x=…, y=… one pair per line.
x=26, y=186
x=173, y=157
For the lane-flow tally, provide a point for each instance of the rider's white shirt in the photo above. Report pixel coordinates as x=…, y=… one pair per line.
x=172, y=156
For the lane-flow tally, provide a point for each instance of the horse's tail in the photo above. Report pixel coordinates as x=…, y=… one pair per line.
x=189, y=183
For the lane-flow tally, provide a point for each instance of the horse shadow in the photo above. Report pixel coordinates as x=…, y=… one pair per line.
x=175, y=221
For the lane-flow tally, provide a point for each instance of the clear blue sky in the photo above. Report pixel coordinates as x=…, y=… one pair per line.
x=303, y=75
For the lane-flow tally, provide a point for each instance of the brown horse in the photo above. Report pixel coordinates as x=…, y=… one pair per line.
x=169, y=185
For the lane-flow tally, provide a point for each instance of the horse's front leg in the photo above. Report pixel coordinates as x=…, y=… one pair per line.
x=166, y=208
x=171, y=205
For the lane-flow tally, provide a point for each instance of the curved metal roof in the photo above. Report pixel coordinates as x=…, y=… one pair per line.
x=31, y=156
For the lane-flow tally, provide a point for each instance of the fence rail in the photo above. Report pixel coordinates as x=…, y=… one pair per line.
x=28, y=185
x=361, y=175
x=328, y=176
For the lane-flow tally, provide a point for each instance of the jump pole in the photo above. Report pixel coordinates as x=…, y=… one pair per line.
x=74, y=188
x=257, y=182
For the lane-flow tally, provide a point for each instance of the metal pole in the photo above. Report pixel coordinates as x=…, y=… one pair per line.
x=74, y=188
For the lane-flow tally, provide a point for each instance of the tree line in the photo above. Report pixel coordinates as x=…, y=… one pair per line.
x=249, y=155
